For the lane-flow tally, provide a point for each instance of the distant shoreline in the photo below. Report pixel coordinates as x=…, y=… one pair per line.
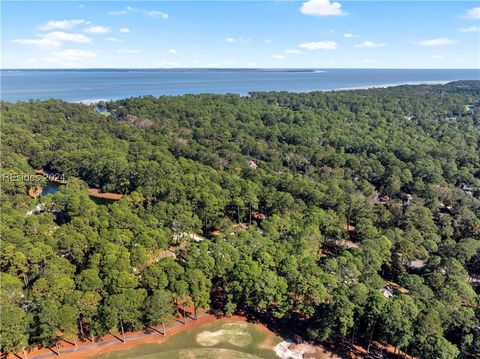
x=93, y=85
x=367, y=87
x=410, y=83
x=281, y=69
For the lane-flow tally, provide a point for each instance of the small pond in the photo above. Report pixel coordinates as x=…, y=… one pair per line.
x=52, y=187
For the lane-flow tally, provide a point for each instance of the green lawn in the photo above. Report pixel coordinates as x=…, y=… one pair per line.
x=219, y=340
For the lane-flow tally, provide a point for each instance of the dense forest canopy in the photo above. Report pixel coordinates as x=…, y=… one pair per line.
x=350, y=214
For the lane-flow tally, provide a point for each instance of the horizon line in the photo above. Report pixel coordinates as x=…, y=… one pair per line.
x=233, y=68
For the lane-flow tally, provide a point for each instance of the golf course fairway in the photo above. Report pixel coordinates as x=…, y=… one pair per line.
x=218, y=340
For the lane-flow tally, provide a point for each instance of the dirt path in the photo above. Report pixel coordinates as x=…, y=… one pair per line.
x=111, y=343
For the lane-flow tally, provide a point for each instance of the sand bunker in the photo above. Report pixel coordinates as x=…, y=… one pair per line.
x=213, y=353
x=289, y=350
x=269, y=342
x=234, y=333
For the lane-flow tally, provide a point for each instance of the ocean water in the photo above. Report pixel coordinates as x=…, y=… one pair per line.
x=106, y=84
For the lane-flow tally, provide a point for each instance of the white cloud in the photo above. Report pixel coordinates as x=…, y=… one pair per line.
x=473, y=28
x=319, y=45
x=113, y=39
x=370, y=44
x=172, y=52
x=124, y=29
x=437, y=56
x=41, y=43
x=66, y=37
x=279, y=57
x=62, y=24
x=436, y=42
x=321, y=8
x=268, y=41
x=159, y=14
x=96, y=29
x=473, y=13
x=237, y=39
x=118, y=12
x=53, y=39
x=292, y=51
x=350, y=36
x=128, y=51
x=124, y=11
x=70, y=57
x=129, y=10
x=368, y=61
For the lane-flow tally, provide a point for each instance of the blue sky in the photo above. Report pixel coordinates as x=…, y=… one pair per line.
x=289, y=34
